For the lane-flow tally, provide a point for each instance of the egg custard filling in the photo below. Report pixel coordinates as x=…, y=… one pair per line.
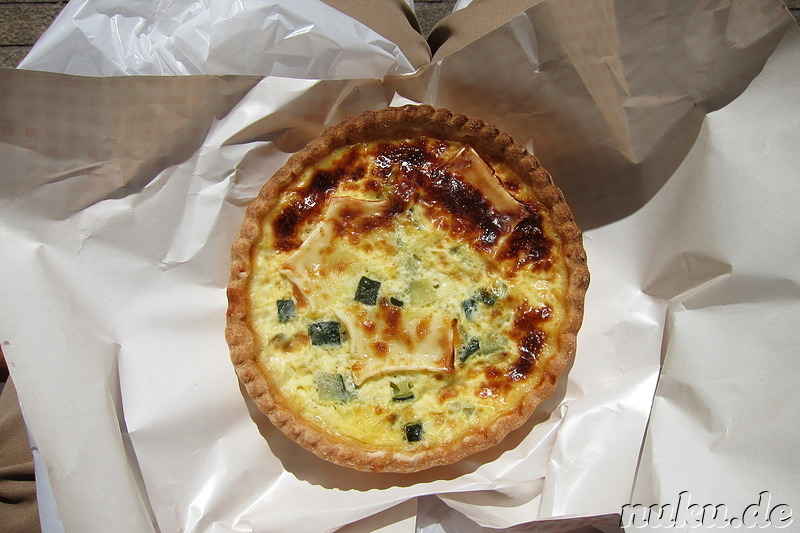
x=403, y=301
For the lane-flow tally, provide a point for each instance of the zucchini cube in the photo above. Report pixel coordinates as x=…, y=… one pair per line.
x=413, y=432
x=331, y=388
x=325, y=333
x=367, y=291
x=469, y=306
x=286, y=310
x=472, y=346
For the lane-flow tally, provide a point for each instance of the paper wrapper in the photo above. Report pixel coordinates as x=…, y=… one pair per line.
x=120, y=198
x=295, y=39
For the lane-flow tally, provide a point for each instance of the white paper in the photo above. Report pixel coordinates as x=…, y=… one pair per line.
x=113, y=303
x=297, y=39
x=723, y=426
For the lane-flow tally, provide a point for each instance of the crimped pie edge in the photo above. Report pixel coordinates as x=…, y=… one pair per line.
x=392, y=123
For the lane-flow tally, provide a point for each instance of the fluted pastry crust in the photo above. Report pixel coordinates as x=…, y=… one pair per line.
x=537, y=330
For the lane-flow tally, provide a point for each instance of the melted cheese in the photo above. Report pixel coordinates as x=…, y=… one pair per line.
x=418, y=344
x=323, y=268
x=384, y=338
x=469, y=166
x=420, y=257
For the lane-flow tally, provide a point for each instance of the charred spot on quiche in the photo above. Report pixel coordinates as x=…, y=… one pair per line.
x=412, y=292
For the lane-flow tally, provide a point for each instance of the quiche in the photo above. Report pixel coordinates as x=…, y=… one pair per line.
x=405, y=291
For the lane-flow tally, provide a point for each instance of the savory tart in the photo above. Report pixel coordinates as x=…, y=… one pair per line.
x=405, y=290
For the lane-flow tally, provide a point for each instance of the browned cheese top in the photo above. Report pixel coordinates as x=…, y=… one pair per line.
x=426, y=290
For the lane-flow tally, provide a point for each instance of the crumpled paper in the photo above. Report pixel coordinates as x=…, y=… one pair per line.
x=122, y=196
x=298, y=39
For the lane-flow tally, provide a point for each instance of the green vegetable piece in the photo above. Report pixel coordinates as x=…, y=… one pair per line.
x=412, y=263
x=470, y=305
x=331, y=388
x=413, y=432
x=490, y=295
x=401, y=392
x=286, y=310
x=422, y=292
x=472, y=346
x=486, y=296
x=492, y=344
x=367, y=291
x=395, y=302
x=325, y=333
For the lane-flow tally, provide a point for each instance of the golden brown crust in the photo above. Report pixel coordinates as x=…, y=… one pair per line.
x=404, y=122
